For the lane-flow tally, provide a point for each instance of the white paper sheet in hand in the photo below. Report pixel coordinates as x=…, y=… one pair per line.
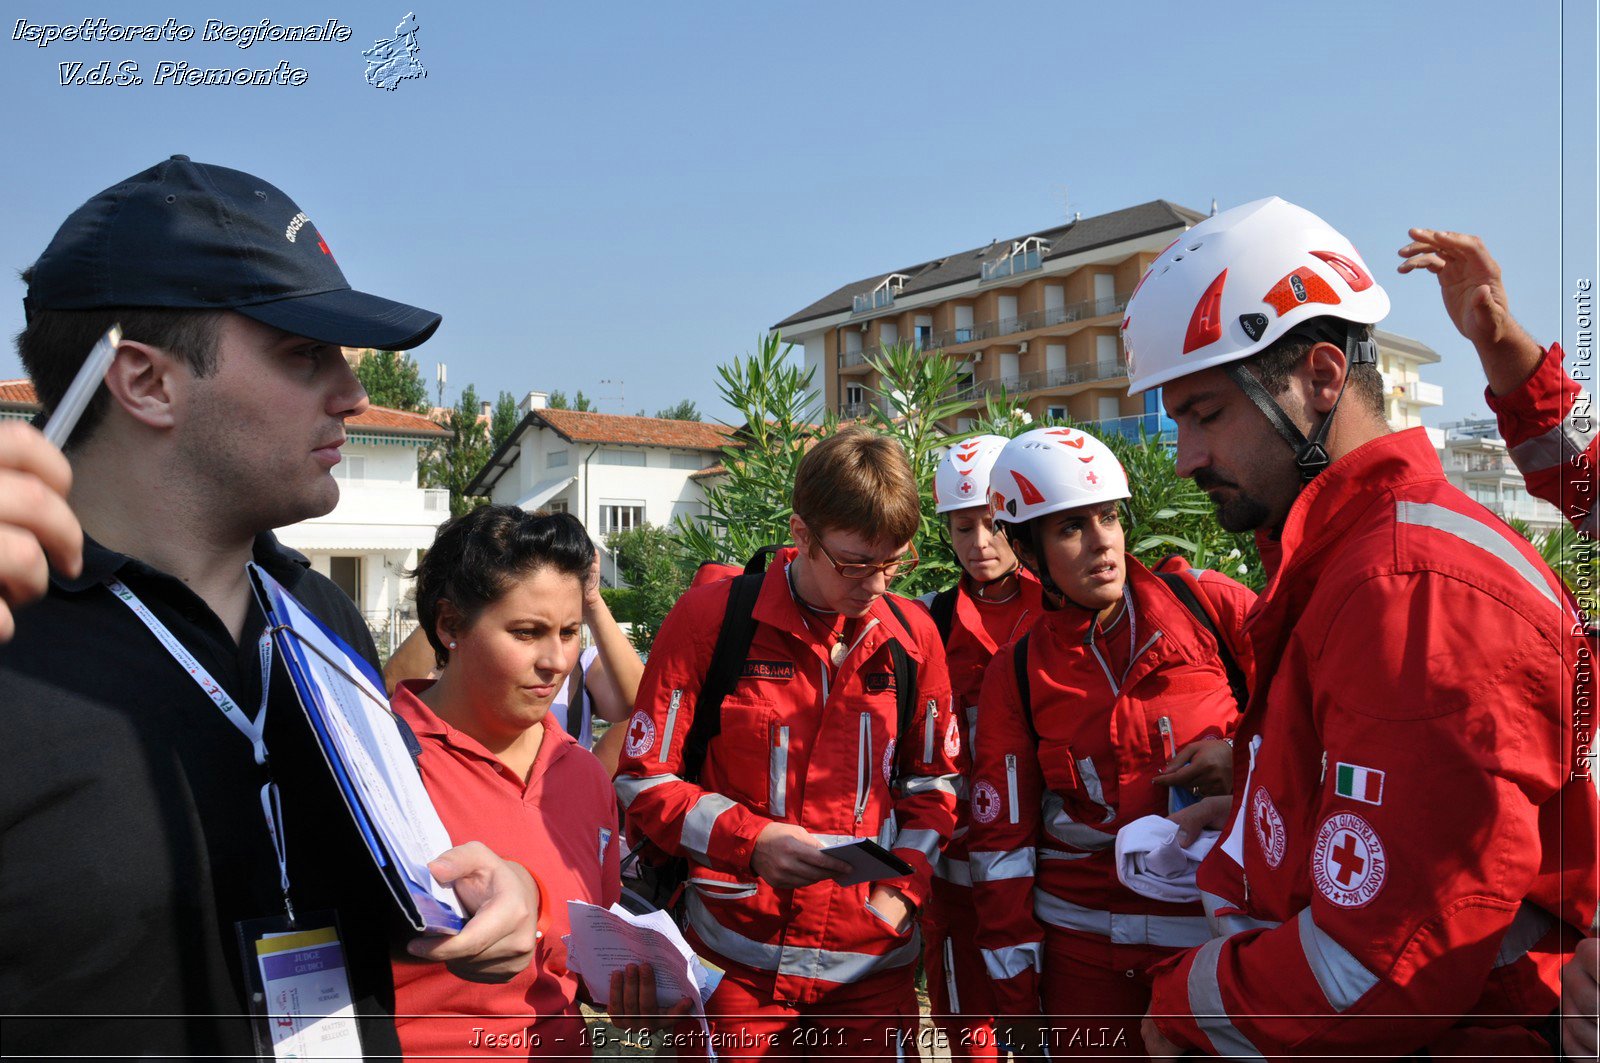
x=379, y=763
x=606, y=940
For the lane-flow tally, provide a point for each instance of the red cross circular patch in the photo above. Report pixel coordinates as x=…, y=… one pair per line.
x=1268, y=826
x=985, y=801
x=1348, y=862
x=966, y=487
x=641, y=734
x=952, y=738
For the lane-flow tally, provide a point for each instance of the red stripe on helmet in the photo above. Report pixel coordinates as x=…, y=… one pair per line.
x=1205, y=327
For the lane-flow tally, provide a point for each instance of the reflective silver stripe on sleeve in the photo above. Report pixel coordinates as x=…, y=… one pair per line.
x=631, y=786
x=1561, y=444
x=998, y=867
x=1123, y=928
x=672, y=722
x=828, y=965
x=1227, y=925
x=1063, y=828
x=1485, y=538
x=1342, y=977
x=701, y=818
x=927, y=784
x=1205, y=1004
x=778, y=775
x=1527, y=929
x=1013, y=960
x=957, y=872
x=926, y=842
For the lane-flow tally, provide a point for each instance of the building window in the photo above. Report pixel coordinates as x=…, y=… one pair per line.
x=620, y=517
x=1025, y=255
x=1056, y=413
x=622, y=457
x=556, y=505
x=353, y=467
x=555, y=459
x=346, y=575
x=678, y=460
x=853, y=394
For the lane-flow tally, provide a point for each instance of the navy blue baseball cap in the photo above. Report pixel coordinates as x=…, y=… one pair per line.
x=185, y=234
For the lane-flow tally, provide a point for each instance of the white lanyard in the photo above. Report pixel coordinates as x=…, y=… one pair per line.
x=254, y=730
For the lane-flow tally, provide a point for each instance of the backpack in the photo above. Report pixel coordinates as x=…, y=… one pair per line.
x=1180, y=587
x=659, y=884
x=943, y=608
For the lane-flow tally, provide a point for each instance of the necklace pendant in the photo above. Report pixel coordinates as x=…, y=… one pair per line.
x=837, y=653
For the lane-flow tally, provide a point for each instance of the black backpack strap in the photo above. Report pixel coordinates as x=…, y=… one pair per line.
x=905, y=691
x=576, y=699
x=1019, y=666
x=758, y=560
x=722, y=674
x=943, y=608
x=1185, y=593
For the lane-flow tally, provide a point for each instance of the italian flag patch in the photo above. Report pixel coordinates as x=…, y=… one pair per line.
x=1359, y=784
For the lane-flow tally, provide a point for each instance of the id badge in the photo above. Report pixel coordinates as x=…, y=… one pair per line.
x=301, y=1006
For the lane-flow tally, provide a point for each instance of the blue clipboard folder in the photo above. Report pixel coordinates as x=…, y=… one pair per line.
x=361, y=740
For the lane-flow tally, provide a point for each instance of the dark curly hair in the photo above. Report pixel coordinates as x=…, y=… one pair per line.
x=476, y=557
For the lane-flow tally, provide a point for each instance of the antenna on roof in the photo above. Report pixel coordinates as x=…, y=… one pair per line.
x=620, y=396
x=441, y=376
x=1213, y=206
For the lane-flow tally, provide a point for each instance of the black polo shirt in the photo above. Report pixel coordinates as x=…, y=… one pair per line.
x=131, y=833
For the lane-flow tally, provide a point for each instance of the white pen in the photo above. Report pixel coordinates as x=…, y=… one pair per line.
x=64, y=418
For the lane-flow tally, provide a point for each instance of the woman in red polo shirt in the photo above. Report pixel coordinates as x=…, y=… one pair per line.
x=500, y=596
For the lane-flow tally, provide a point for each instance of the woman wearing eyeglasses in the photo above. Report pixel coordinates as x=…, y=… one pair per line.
x=811, y=737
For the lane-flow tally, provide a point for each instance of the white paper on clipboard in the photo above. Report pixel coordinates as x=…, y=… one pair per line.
x=356, y=730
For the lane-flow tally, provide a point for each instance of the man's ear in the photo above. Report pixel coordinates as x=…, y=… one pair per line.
x=1325, y=369
x=799, y=533
x=146, y=382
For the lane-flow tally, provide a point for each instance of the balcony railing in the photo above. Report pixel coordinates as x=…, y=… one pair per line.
x=1424, y=394
x=1153, y=425
x=1006, y=326
x=1044, y=379
x=1008, y=265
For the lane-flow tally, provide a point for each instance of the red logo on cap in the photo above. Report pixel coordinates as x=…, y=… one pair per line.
x=324, y=245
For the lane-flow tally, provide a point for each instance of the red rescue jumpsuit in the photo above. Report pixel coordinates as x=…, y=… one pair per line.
x=806, y=743
x=1410, y=845
x=1061, y=936
x=958, y=984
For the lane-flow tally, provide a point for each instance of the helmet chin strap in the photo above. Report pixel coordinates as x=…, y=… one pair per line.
x=1310, y=455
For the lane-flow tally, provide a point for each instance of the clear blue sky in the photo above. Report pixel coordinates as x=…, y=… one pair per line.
x=635, y=191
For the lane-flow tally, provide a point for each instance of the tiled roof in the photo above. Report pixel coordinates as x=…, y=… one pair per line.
x=589, y=427
x=592, y=427
x=378, y=419
x=1069, y=239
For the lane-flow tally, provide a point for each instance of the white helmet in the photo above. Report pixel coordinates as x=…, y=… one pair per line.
x=1051, y=469
x=1235, y=283
x=962, y=479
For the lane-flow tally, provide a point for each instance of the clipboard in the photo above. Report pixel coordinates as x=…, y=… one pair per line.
x=359, y=736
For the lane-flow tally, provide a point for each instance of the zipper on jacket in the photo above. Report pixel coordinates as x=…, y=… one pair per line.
x=666, y=732
x=928, y=731
x=1011, y=785
x=863, y=767
x=778, y=771
x=1324, y=776
x=1168, y=746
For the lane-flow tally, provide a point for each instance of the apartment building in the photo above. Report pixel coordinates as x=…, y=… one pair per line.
x=1035, y=317
x=1475, y=459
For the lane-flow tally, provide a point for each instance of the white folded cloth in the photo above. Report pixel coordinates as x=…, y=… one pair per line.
x=1151, y=863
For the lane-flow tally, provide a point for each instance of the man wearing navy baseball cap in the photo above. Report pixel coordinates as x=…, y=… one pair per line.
x=137, y=882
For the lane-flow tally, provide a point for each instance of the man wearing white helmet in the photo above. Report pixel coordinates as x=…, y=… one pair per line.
x=1408, y=857
x=1080, y=724
x=993, y=602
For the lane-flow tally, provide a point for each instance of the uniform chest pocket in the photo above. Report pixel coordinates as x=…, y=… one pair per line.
x=1085, y=784
x=737, y=759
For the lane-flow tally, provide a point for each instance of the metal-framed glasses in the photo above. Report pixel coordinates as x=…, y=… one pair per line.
x=900, y=566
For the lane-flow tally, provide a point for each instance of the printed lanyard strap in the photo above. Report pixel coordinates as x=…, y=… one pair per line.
x=254, y=730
